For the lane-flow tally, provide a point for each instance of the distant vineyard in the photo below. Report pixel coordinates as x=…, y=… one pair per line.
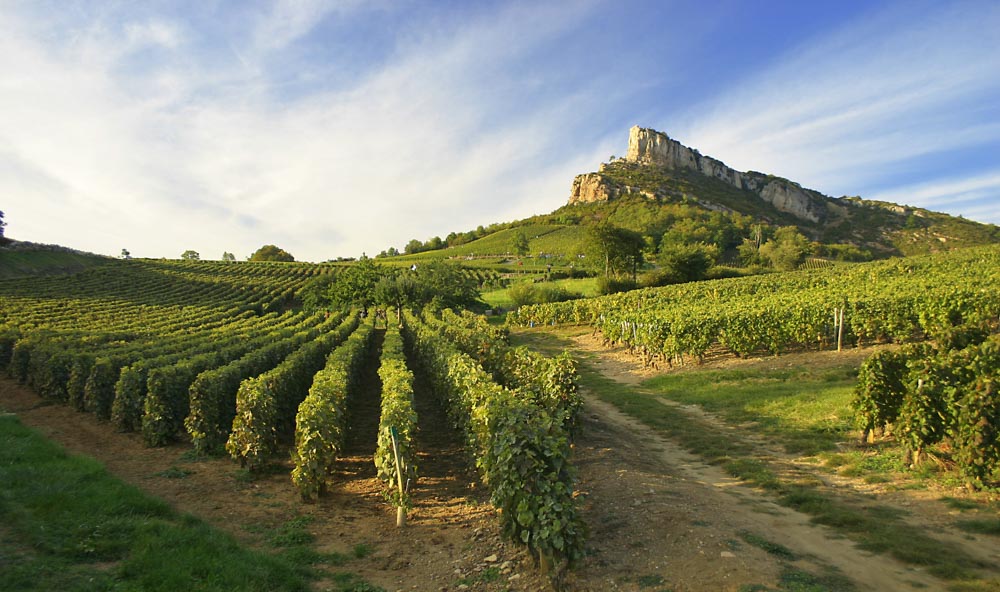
x=223, y=355
x=894, y=300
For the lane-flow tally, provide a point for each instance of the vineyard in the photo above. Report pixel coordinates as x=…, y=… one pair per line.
x=226, y=359
x=940, y=388
x=222, y=355
x=896, y=300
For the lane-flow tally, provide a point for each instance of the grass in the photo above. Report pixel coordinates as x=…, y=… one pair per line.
x=44, y=262
x=805, y=409
x=875, y=528
x=501, y=298
x=66, y=524
x=990, y=526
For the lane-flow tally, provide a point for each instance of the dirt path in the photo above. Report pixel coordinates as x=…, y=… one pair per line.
x=921, y=508
x=754, y=509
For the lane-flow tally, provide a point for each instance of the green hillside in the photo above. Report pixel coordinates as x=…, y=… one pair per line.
x=20, y=260
x=692, y=207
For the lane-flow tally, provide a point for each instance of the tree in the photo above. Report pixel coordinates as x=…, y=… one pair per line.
x=618, y=250
x=519, y=245
x=787, y=250
x=126, y=254
x=446, y=285
x=687, y=262
x=271, y=253
x=228, y=257
x=190, y=255
x=315, y=294
x=399, y=290
x=2, y=224
x=355, y=286
x=414, y=246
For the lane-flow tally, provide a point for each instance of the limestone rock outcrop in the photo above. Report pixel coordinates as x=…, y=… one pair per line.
x=652, y=148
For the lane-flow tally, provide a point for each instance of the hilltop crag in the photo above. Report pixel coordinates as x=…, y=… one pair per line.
x=650, y=148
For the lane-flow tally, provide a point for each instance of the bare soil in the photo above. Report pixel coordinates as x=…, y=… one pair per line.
x=659, y=517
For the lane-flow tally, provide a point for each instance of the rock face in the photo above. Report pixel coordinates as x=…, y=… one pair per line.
x=652, y=148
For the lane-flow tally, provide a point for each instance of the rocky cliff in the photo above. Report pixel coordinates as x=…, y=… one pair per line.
x=649, y=147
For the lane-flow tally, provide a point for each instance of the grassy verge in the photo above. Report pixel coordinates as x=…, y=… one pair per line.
x=805, y=409
x=747, y=397
x=66, y=524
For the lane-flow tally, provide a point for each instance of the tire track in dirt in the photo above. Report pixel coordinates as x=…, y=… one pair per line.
x=924, y=512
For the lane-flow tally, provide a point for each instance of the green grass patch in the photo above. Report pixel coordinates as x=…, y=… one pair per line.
x=68, y=519
x=807, y=410
x=69, y=525
x=44, y=262
x=990, y=526
x=175, y=473
x=780, y=551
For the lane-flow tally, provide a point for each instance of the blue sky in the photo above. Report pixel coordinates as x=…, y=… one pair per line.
x=336, y=128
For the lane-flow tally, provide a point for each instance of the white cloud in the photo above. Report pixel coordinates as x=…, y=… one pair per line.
x=980, y=195
x=154, y=33
x=198, y=157
x=839, y=112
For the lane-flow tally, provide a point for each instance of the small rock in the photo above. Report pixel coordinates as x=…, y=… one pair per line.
x=492, y=559
x=463, y=587
x=726, y=554
x=514, y=577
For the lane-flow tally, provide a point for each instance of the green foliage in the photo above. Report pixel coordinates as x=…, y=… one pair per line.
x=320, y=424
x=398, y=419
x=76, y=385
x=445, y=285
x=881, y=388
x=269, y=253
x=531, y=293
x=519, y=245
x=787, y=250
x=130, y=392
x=614, y=285
x=682, y=262
x=266, y=405
x=521, y=449
x=886, y=300
x=355, y=286
x=69, y=525
x=977, y=431
x=255, y=427
x=399, y=290
x=98, y=394
x=213, y=392
x=315, y=294
x=948, y=393
x=190, y=255
x=614, y=250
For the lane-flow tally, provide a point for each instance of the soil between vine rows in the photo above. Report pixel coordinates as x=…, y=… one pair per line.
x=658, y=521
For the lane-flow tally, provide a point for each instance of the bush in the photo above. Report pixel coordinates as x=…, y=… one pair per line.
x=613, y=285
x=528, y=293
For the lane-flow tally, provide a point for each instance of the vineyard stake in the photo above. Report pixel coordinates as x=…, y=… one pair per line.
x=838, y=315
x=401, y=508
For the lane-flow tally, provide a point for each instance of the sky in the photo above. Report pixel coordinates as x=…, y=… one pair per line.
x=337, y=128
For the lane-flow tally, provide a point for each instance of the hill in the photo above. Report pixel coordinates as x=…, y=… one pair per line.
x=662, y=186
x=19, y=259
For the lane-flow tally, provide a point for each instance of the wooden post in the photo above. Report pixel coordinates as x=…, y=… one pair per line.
x=401, y=509
x=840, y=328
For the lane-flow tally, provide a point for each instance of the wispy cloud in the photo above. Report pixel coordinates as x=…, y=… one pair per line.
x=223, y=165
x=976, y=194
x=843, y=112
